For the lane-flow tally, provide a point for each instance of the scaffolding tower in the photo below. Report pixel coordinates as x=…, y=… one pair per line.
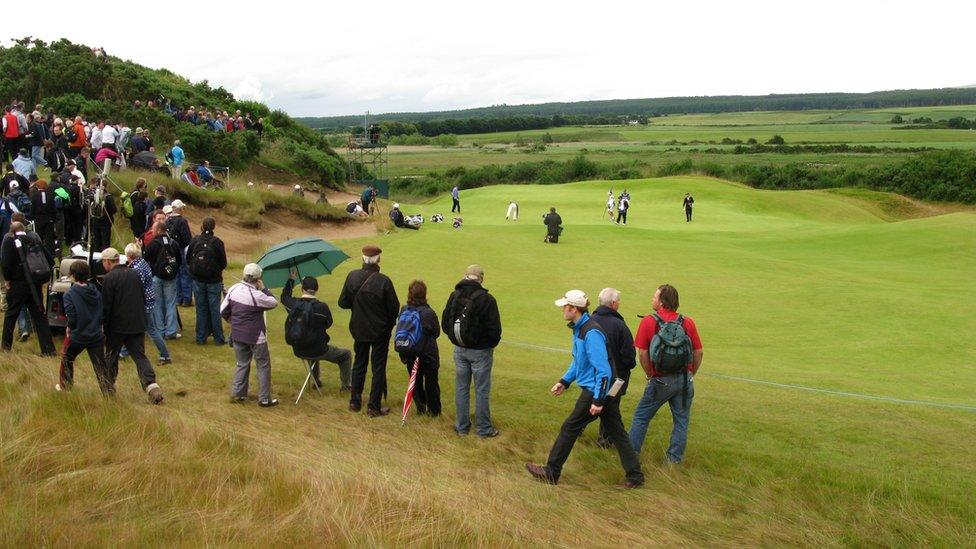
x=369, y=151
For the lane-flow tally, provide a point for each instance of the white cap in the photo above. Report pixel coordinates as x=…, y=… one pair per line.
x=178, y=204
x=253, y=270
x=250, y=183
x=14, y=185
x=576, y=298
x=167, y=209
x=298, y=187
x=396, y=205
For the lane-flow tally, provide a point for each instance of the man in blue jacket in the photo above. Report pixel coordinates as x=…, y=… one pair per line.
x=592, y=371
x=83, y=307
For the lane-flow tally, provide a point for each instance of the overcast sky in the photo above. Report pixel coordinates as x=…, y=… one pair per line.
x=334, y=58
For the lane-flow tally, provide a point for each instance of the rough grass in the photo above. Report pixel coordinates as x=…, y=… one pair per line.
x=806, y=288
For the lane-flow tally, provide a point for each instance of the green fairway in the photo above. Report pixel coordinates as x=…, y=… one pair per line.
x=849, y=293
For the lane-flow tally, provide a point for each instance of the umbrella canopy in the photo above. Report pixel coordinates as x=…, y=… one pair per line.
x=309, y=255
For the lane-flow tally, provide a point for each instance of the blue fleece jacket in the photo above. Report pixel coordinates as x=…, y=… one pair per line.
x=83, y=307
x=590, y=367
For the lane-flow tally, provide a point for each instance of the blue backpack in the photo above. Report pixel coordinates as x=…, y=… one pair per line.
x=409, y=331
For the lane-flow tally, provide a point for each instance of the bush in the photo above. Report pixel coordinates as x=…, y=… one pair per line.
x=776, y=140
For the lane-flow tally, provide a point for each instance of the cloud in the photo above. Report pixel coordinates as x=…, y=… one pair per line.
x=250, y=89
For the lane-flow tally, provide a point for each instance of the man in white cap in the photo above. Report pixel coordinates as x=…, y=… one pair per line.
x=299, y=192
x=244, y=307
x=397, y=216
x=178, y=228
x=592, y=371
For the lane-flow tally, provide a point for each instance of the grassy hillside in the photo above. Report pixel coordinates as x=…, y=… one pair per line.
x=816, y=290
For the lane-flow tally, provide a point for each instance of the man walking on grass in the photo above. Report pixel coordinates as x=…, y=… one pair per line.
x=591, y=370
x=620, y=345
x=375, y=306
x=83, y=308
x=670, y=352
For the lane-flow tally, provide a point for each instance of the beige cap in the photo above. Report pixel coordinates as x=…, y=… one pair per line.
x=178, y=204
x=253, y=270
x=110, y=254
x=474, y=272
x=576, y=298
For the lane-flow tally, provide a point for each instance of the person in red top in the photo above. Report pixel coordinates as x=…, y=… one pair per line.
x=673, y=387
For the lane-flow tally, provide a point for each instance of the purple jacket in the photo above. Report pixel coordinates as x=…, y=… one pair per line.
x=244, y=308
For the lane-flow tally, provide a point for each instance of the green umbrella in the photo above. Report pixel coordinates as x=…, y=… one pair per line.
x=310, y=256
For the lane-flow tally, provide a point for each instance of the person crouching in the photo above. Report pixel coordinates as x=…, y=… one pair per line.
x=244, y=308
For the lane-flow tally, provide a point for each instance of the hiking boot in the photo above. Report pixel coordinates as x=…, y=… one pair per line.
x=604, y=443
x=355, y=407
x=164, y=360
x=238, y=399
x=630, y=484
x=268, y=403
x=490, y=434
x=378, y=413
x=24, y=336
x=155, y=393
x=540, y=473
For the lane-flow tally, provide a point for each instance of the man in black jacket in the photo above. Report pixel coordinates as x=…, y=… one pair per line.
x=101, y=207
x=83, y=308
x=471, y=321
x=179, y=229
x=21, y=290
x=620, y=344
x=164, y=258
x=553, y=226
x=316, y=345
x=375, y=306
x=125, y=321
x=206, y=261
x=44, y=214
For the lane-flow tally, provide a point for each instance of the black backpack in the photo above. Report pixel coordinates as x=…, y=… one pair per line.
x=464, y=324
x=298, y=330
x=36, y=266
x=204, y=263
x=69, y=134
x=166, y=266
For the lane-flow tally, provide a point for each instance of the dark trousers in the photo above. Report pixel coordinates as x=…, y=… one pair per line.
x=101, y=234
x=687, y=214
x=622, y=216
x=426, y=390
x=577, y=421
x=96, y=352
x=10, y=150
x=456, y=206
x=44, y=227
x=604, y=437
x=375, y=352
x=25, y=294
x=72, y=225
x=136, y=345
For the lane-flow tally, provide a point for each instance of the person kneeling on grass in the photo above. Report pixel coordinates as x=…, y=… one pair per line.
x=244, y=308
x=312, y=341
x=83, y=307
x=592, y=370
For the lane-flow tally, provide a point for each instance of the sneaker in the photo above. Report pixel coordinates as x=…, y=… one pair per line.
x=201, y=342
x=24, y=337
x=604, y=443
x=268, y=403
x=355, y=407
x=238, y=399
x=58, y=387
x=165, y=360
x=460, y=433
x=491, y=434
x=155, y=393
x=378, y=413
x=540, y=473
x=630, y=484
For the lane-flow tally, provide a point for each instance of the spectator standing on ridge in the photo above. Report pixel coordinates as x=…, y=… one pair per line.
x=591, y=369
x=244, y=307
x=471, y=321
x=124, y=314
x=83, y=309
x=372, y=298
x=456, y=198
x=620, y=346
x=175, y=158
x=137, y=222
x=206, y=261
x=427, y=391
x=133, y=255
x=314, y=345
x=178, y=228
x=670, y=361
x=22, y=290
x=687, y=205
x=77, y=140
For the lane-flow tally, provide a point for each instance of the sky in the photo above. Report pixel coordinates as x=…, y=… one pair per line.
x=335, y=58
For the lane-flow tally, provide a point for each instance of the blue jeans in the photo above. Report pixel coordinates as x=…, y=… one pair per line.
x=474, y=363
x=660, y=390
x=207, y=296
x=23, y=322
x=185, y=285
x=37, y=156
x=165, y=311
x=155, y=335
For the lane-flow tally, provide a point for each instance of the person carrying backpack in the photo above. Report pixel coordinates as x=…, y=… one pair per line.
x=416, y=338
x=592, y=369
x=26, y=266
x=164, y=258
x=670, y=352
x=470, y=320
x=206, y=261
x=305, y=330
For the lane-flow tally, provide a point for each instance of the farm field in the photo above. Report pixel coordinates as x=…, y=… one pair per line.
x=835, y=406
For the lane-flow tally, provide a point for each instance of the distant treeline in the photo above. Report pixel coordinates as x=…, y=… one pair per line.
x=680, y=105
x=948, y=175
x=926, y=123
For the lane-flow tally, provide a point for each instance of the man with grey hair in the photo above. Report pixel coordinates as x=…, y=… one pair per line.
x=244, y=307
x=471, y=321
x=620, y=347
x=133, y=255
x=375, y=308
